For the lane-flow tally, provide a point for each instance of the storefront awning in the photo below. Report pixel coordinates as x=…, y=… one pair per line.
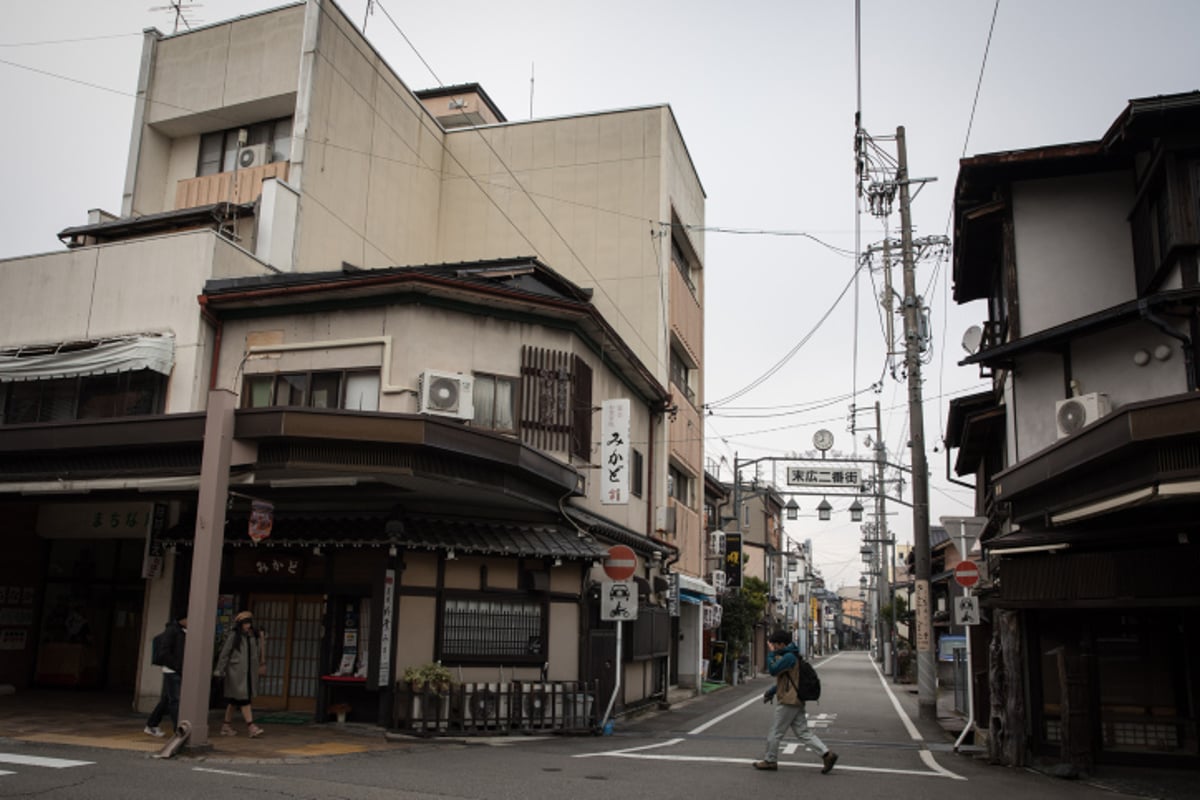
x=415, y=532
x=77, y=359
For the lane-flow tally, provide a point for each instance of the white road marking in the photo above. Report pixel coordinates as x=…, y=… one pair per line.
x=6, y=772
x=908, y=723
x=719, y=760
x=666, y=743
x=926, y=756
x=824, y=719
x=228, y=772
x=40, y=761
x=755, y=699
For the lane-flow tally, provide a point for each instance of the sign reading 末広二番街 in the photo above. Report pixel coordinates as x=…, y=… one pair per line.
x=824, y=476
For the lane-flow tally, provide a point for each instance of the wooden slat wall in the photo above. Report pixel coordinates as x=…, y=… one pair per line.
x=545, y=398
x=209, y=189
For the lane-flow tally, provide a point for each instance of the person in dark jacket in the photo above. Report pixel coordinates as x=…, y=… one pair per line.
x=789, y=712
x=174, y=639
x=242, y=661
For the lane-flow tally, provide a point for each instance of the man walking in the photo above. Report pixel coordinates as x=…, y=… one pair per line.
x=783, y=662
x=169, y=655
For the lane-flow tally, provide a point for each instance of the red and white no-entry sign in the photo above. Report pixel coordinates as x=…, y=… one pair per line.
x=966, y=574
x=621, y=562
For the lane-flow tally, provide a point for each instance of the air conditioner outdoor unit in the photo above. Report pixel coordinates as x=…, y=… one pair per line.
x=716, y=543
x=718, y=581
x=1075, y=413
x=254, y=155
x=447, y=394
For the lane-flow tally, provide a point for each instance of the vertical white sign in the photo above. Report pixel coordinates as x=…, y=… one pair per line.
x=614, y=452
x=385, y=632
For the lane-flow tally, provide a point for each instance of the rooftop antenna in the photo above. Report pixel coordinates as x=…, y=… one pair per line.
x=370, y=10
x=531, y=90
x=180, y=9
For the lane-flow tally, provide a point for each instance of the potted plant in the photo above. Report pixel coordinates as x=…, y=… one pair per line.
x=432, y=676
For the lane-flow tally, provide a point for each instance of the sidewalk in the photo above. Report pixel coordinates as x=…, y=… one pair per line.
x=98, y=720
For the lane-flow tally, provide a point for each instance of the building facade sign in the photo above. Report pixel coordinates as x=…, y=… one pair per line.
x=614, y=452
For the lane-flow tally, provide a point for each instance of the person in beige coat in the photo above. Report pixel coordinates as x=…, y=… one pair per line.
x=242, y=661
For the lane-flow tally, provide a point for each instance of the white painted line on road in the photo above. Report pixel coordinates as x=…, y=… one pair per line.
x=6, y=772
x=666, y=743
x=228, y=772
x=908, y=723
x=930, y=762
x=39, y=761
x=940, y=773
x=757, y=698
x=926, y=756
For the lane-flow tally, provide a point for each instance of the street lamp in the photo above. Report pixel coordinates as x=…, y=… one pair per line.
x=825, y=510
x=867, y=555
x=793, y=509
x=856, y=511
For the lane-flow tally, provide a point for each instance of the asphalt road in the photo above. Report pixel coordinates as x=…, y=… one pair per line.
x=701, y=750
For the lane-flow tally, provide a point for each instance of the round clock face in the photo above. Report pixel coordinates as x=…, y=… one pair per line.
x=822, y=439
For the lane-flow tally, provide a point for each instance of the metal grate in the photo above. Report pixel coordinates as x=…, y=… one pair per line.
x=491, y=628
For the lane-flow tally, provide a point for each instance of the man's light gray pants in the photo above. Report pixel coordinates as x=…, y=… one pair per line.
x=791, y=717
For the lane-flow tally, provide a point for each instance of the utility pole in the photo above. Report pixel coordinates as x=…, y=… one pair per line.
x=926, y=663
x=882, y=534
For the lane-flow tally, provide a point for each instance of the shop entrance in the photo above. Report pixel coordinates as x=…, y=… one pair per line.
x=293, y=627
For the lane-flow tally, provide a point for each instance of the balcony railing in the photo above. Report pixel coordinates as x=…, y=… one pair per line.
x=242, y=186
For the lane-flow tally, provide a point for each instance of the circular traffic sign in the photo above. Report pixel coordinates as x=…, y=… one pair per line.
x=966, y=574
x=621, y=562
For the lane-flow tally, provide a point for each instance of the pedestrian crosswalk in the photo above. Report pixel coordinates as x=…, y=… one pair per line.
x=23, y=760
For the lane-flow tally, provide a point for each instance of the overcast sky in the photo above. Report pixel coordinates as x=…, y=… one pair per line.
x=765, y=96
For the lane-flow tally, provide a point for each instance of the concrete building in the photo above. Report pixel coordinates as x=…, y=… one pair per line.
x=422, y=317
x=1086, y=451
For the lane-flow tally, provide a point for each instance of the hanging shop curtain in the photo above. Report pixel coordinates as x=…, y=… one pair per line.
x=77, y=359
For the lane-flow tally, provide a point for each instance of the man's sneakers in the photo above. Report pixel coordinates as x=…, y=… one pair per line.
x=829, y=759
x=767, y=765
x=154, y=731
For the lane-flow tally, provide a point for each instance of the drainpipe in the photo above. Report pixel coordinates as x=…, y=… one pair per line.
x=218, y=329
x=1189, y=361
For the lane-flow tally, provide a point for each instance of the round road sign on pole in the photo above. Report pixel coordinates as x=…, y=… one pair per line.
x=966, y=574
x=621, y=562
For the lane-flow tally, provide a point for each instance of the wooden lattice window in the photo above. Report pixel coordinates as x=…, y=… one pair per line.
x=556, y=401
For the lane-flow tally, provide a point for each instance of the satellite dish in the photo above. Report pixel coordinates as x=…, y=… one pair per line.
x=972, y=338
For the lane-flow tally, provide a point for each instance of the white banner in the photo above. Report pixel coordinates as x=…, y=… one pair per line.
x=614, y=452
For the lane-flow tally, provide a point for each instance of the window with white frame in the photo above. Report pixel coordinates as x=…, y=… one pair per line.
x=495, y=399
x=219, y=149
x=351, y=390
x=679, y=485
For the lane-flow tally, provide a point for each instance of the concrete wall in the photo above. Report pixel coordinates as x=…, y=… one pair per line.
x=1072, y=232
x=143, y=286
x=370, y=163
x=452, y=341
x=218, y=77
